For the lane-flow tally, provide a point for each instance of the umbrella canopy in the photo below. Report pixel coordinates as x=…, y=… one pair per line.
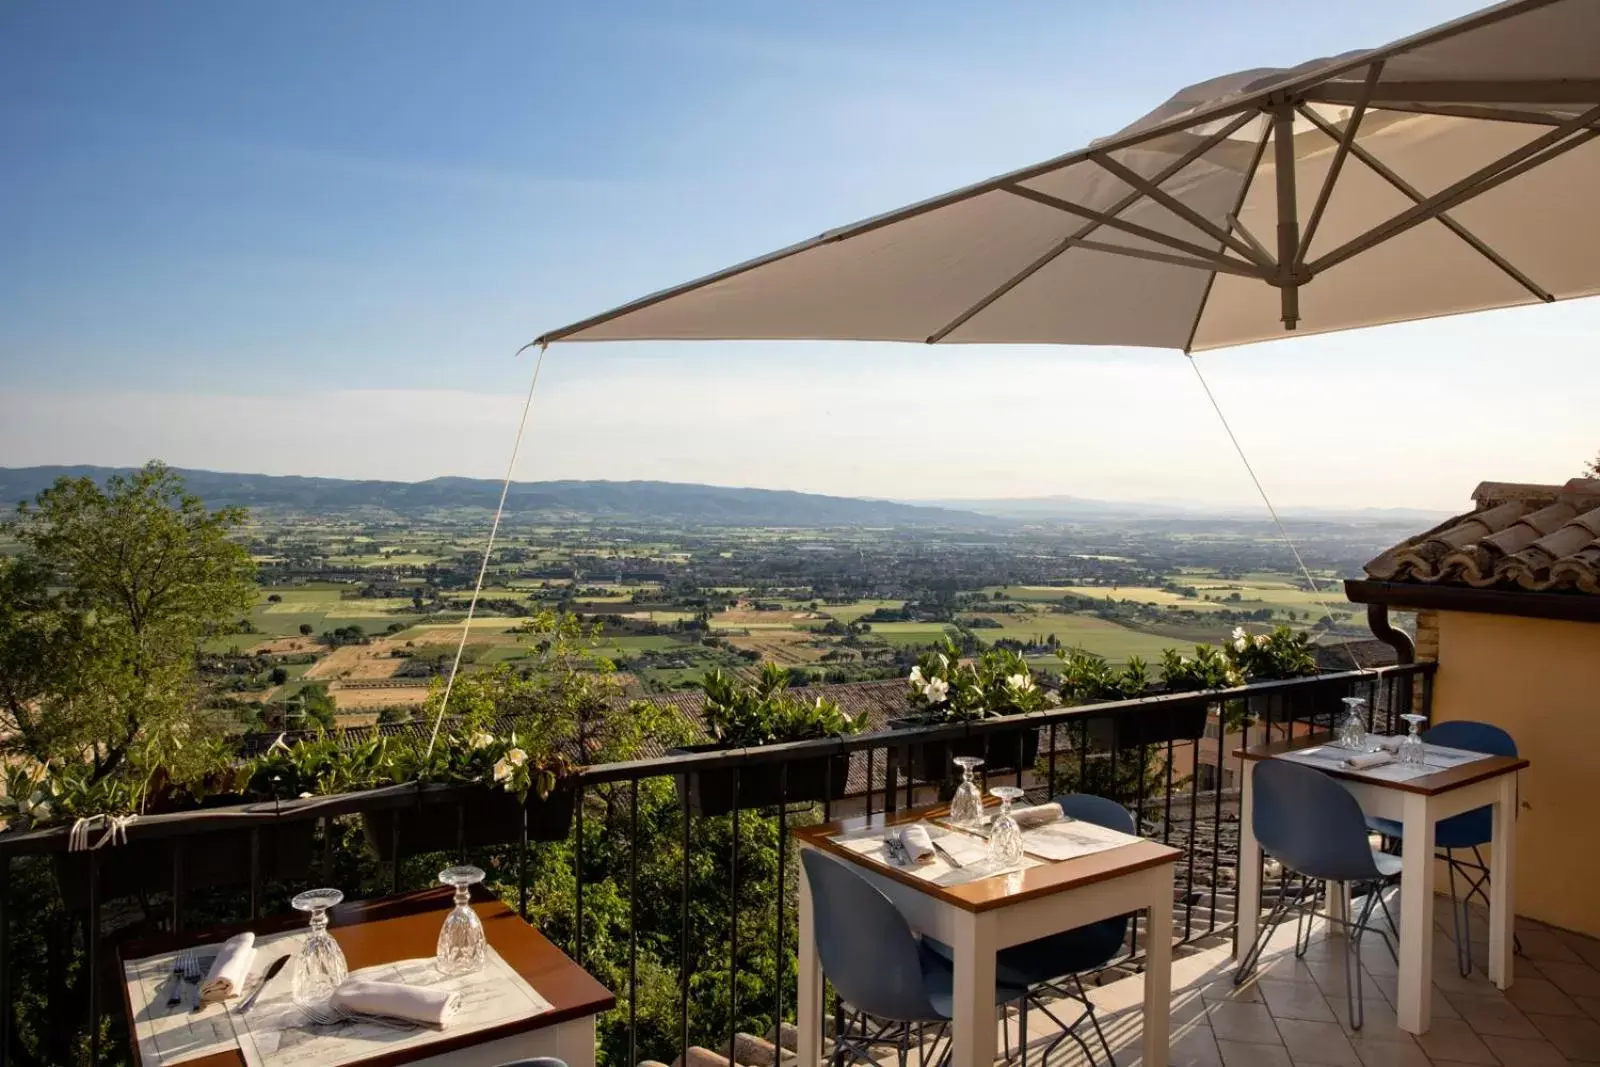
x=1450, y=171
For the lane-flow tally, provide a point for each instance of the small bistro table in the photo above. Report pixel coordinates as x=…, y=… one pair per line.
x=407, y=927
x=1417, y=804
x=981, y=917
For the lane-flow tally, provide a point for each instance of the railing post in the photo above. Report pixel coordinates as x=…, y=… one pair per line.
x=733, y=921
x=683, y=944
x=783, y=841
x=92, y=975
x=5, y=955
x=177, y=885
x=633, y=919
x=577, y=933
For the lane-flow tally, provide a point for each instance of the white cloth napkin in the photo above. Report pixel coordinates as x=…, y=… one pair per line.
x=1367, y=759
x=229, y=969
x=431, y=1007
x=1038, y=815
x=918, y=845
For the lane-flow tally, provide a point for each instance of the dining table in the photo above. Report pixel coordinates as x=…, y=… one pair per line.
x=405, y=927
x=980, y=911
x=1447, y=782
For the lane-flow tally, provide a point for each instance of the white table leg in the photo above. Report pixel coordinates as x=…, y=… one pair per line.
x=1333, y=894
x=1503, y=882
x=1249, y=867
x=973, y=1036
x=808, y=1017
x=1415, y=1007
x=1158, y=971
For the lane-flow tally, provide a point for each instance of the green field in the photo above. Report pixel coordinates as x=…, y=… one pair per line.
x=848, y=613
x=911, y=633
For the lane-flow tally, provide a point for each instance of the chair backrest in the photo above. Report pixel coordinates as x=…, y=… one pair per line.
x=1475, y=827
x=1309, y=823
x=1472, y=736
x=866, y=946
x=1101, y=811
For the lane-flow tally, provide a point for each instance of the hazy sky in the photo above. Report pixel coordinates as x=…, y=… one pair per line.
x=306, y=238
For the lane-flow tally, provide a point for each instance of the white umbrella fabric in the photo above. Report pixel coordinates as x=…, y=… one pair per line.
x=1450, y=171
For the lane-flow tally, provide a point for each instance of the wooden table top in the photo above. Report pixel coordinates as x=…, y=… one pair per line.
x=1001, y=890
x=1429, y=785
x=407, y=927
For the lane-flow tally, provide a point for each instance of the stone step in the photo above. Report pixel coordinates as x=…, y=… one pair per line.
x=701, y=1057
x=752, y=1051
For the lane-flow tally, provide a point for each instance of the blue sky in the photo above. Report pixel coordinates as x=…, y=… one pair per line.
x=305, y=238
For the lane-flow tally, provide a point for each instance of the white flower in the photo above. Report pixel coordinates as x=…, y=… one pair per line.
x=1022, y=683
x=481, y=739
x=1053, y=698
x=517, y=757
x=305, y=796
x=944, y=661
x=278, y=745
x=936, y=690
x=502, y=771
x=916, y=677
x=1261, y=640
x=1240, y=644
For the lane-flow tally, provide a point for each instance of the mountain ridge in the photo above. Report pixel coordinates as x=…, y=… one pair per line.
x=634, y=500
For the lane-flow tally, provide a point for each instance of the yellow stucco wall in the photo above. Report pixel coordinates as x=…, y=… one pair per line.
x=1540, y=681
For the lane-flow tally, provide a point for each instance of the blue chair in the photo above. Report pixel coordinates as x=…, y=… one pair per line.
x=877, y=964
x=1469, y=830
x=1315, y=830
x=1055, y=964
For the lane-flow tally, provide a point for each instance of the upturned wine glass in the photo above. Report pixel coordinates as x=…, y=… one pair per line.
x=462, y=947
x=966, y=807
x=1353, y=728
x=320, y=966
x=1005, y=836
x=1412, y=750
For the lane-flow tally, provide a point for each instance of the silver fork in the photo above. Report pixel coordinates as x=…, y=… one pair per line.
x=329, y=1015
x=192, y=974
x=180, y=967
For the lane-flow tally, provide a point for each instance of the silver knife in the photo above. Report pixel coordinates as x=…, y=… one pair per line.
x=941, y=850
x=272, y=972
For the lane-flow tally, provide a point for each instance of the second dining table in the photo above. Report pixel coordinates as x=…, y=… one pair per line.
x=978, y=913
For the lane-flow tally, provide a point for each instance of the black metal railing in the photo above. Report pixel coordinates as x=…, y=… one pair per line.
x=637, y=887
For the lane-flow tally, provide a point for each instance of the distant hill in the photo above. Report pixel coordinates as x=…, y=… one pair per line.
x=709, y=505
x=1082, y=509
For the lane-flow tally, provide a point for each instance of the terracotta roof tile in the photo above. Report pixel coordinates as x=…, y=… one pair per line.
x=1541, y=538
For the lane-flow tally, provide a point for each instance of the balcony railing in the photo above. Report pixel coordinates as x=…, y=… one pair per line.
x=61, y=913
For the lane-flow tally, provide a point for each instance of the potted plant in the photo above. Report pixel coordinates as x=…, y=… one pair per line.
x=482, y=788
x=741, y=715
x=943, y=689
x=1279, y=653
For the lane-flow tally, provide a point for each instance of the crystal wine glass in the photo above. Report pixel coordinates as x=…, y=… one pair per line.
x=1353, y=729
x=462, y=948
x=1412, y=750
x=320, y=966
x=1005, y=836
x=966, y=807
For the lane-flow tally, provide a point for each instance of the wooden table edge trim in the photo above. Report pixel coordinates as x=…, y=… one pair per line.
x=1155, y=855
x=483, y=901
x=1431, y=785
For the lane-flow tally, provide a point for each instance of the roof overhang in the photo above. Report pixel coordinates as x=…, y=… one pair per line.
x=1415, y=596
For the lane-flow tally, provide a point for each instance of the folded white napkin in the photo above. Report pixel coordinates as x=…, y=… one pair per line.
x=918, y=845
x=229, y=969
x=1388, y=744
x=1038, y=815
x=1366, y=760
x=418, y=1004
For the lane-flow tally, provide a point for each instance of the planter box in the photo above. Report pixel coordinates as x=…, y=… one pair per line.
x=930, y=761
x=475, y=816
x=221, y=858
x=1157, y=725
x=807, y=781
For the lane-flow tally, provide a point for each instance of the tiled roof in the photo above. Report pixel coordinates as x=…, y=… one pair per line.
x=1539, y=538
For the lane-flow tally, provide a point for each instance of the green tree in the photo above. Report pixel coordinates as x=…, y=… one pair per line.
x=306, y=629
x=1592, y=468
x=140, y=573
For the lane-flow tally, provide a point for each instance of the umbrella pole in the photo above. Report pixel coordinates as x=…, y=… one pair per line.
x=1288, y=218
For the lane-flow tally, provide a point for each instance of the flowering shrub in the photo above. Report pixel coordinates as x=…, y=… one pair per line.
x=1087, y=678
x=765, y=712
x=999, y=682
x=1208, y=668
x=1282, y=653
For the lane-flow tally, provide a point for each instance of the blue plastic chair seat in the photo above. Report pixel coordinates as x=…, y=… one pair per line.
x=938, y=978
x=1070, y=952
x=1470, y=829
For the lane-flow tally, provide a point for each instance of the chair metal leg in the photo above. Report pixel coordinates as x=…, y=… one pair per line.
x=1280, y=908
x=1352, y=972
x=1094, y=1021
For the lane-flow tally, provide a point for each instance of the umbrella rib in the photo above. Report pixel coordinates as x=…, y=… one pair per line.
x=1177, y=207
x=1483, y=91
x=1238, y=205
x=1537, y=151
x=1349, y=137
x=1244, y=270
x=1199, y=252
x=1084, y=231
x=1477, y=244
x=1469, y=111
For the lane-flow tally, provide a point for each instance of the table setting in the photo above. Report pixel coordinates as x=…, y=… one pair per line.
x=1398, y=758
x=235, y=995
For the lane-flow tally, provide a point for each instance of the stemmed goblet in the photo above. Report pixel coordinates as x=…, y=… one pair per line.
x=966, y=807
x=1005, y=836
x=462, y=948
x=1412, y=750
x=320, y=966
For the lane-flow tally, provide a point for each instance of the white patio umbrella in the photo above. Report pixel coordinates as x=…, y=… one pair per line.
x=1450, y=171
